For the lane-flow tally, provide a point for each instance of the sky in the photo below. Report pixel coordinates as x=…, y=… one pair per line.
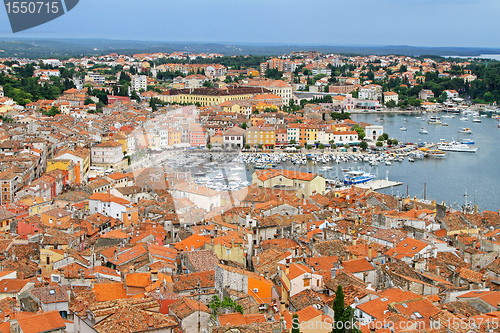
x=432, y=23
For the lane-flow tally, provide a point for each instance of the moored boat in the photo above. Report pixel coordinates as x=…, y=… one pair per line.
x=465, y=130
x=434, y=120
x=357, y=177
x=457, y=147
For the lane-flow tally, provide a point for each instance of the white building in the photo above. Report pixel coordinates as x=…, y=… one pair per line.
x=95, y=78
x=343, y=137
x=371, y=92
x=391, y=96
x=110, y=205
x=374, y=131
x=234, y=137
x=215, y=71
x=201, y=196
x=138, y=82
x=451, y=94
x=108, y=152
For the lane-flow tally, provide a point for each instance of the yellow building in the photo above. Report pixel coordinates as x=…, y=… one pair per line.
x=36, y=205
x=120, y=138
x=174, y=137
x=65, y=165
x=252, y=72
x=265, y=136
x=81, y=158
x=239, y=107
x=311, y=134
x=56, y=218
x=6, y=218
x=306, y=183
x=228, y=248
x=216, y=96
x=48, y=257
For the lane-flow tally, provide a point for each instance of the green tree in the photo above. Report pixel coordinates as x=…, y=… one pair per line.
x=152, y=104
x=343, y=317
x=88, y=101
x=135, y=96
x=346, y=146
x=295, y=323
x=244, y=126
x=52, y=112
x=360, y=131
x=209, y=146
x=247, y=146
x=379, y=144
x=385, y=136
x=321, y=146
x=273, y=73
x=293, y=142
x=390, y=103
x=380, y=138
x=363, y=145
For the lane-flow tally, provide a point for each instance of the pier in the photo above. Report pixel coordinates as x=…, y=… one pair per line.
x=378, y=184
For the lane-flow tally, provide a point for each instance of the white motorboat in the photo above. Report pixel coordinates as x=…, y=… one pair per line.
x=456, y=146
x=465, y=130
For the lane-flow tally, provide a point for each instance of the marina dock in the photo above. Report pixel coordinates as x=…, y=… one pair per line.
x=379, y=184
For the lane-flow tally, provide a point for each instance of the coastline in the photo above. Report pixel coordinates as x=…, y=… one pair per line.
x=358, y=111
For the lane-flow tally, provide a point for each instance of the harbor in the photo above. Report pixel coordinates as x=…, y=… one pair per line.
x=462, y=155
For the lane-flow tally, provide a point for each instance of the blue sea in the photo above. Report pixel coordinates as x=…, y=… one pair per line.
x=450, y=178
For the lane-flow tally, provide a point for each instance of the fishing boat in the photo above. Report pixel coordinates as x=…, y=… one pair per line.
x=464, y=118
x=423, y=131
x=435, y=153
x=344, y=169
x=465, y=130
x=357, y=177
x=457, y=147
x=410, y=159
x=403, y=128
x=476, y=120
x=444, y=124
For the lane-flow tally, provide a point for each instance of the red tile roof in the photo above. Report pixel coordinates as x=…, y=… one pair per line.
x=42, y=322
